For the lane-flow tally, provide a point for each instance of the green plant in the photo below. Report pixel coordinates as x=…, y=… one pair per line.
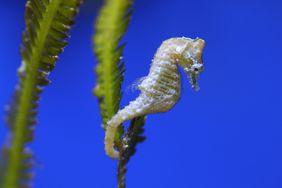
x=111, y=25
x=127, y=147
x=47, y=25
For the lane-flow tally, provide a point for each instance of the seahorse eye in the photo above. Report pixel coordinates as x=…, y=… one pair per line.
x=197, y=67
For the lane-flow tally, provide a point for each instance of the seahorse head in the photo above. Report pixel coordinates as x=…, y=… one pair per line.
x=191, y=60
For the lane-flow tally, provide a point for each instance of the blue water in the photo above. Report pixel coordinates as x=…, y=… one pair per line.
x=227, y=135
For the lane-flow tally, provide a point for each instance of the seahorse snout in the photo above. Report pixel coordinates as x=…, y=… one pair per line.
x=193, y=73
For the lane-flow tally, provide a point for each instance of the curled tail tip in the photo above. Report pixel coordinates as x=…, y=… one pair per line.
x=111, y=130
x=109, y=141
x=112, y=153
x=110, y=150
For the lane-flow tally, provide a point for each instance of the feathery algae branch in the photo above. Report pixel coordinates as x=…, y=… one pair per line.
x=47, y=25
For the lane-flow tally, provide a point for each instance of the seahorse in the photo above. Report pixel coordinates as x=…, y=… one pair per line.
x=160, y=90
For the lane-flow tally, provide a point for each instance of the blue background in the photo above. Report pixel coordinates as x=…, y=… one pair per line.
x=227, y=135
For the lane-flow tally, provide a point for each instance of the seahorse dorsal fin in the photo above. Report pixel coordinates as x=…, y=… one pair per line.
x=135, y=85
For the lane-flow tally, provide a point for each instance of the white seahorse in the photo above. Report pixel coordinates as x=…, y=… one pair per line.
x=160, y=90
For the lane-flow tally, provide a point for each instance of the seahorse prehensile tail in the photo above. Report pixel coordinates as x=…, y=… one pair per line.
x=160, y=90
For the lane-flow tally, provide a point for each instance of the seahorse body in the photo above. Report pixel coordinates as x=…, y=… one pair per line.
x=160, y=90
